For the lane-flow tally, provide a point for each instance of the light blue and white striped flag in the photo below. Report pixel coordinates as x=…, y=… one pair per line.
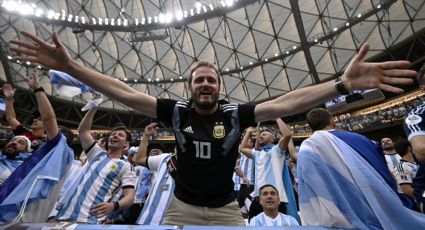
x=340, y=188
x=30, y=184
x=67, y=86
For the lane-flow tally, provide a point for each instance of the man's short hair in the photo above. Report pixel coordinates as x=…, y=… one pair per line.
x=402, y=147
x=385, y=138
x=318, y=118
x=421, y=75
x=127, y=133
x=269, y=185
x=207, y=64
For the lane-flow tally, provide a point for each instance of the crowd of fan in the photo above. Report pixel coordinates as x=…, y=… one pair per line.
x=345, y=121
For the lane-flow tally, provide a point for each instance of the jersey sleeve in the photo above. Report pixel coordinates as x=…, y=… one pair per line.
x=93, y=151
x=277, y=149
x=403, y=175
x=129, y=177
x=164, y=110
x=246, y=115
x=155, y=161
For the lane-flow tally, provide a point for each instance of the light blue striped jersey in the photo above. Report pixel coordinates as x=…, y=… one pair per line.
x=405, y=173
x=98, y=182
x=236, y=180
x=268, y=170
x=7, y=166
x=70, y=176
x=247, y=165
x=141, y=191
x=392, y=161
x=281, y=220
x=161, y=193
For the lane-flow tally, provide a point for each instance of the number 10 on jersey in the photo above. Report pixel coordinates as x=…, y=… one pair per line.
x=203, y=149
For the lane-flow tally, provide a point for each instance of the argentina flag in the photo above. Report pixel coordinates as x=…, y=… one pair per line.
x=37, y=178
x=67, y=86
x=342, y=183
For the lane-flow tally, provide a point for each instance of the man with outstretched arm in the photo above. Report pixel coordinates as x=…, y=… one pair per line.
x=208, y=130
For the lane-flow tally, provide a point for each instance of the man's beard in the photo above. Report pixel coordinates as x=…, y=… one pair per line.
x=206, y=105
x=10, y=154
x=387, y=147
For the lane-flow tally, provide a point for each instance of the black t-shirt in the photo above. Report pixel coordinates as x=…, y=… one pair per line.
x=206, y=149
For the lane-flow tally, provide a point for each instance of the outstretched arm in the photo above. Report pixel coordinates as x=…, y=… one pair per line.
x=359, y=75
x=141, y=155
x=9, y=93
x=47, y=114
x=55, y=56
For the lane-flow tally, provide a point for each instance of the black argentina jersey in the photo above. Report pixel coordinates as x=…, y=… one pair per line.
x=414, y=125
x=207, y=148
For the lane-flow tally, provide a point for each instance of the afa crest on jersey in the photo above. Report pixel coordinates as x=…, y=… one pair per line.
x=219, y=132
x=114, y=166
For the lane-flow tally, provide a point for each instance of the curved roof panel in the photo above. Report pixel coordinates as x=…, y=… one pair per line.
x=262, y=48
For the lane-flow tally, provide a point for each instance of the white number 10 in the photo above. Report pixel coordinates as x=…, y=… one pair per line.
x=203, y=149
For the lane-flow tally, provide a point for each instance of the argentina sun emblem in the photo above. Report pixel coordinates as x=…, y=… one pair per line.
x=113, y=166
x=219, y=131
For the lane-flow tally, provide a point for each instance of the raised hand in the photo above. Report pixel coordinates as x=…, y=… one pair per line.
x=383, y=75
x=32, y=80
x=250, y=129
x=150, y=129
x=53, y=56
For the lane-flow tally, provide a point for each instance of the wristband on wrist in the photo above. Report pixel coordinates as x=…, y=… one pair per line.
x=11, y=98
x=340, y=87
x=116, y=205
x=39, y=89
